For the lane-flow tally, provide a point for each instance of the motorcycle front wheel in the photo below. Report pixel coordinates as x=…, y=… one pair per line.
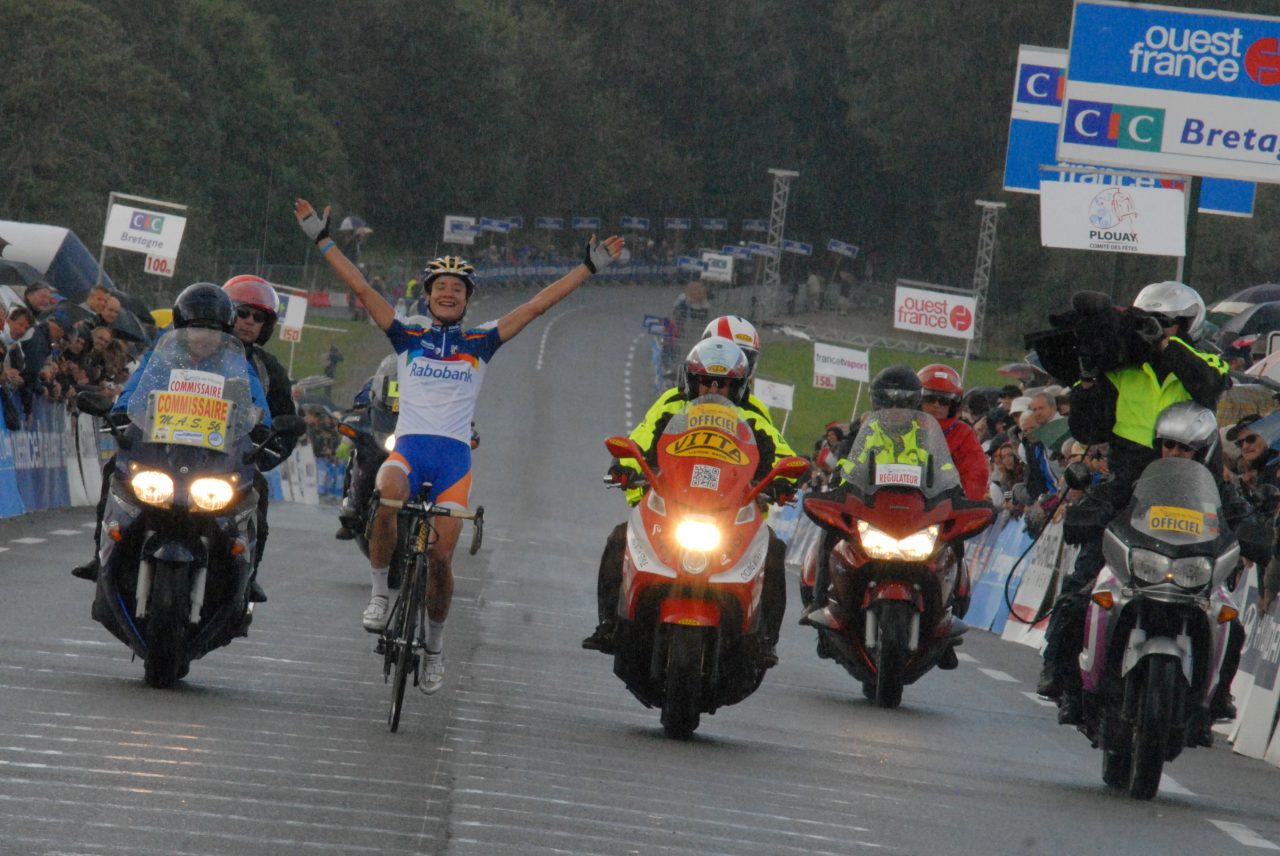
x=682, y=704
x=168, y=615
x=893, y=634
x=1156, y=711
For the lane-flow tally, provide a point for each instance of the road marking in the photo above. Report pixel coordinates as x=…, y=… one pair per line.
x=546, y=333
x=1169, y=786
x=1040, y=700
x=65, y=532
x=28, y=540
x=998, y=675
x=966, y=658
x=1244, y=835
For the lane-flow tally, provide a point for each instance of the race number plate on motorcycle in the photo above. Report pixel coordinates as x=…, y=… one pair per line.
x=898, y=475
x=187, y=419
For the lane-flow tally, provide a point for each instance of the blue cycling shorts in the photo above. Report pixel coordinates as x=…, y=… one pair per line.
x=443, y=461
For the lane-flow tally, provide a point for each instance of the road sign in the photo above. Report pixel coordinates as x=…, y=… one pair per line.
x=1183, y=91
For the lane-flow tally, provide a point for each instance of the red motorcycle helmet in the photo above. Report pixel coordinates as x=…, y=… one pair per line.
x=255, y=292
x=942, y=381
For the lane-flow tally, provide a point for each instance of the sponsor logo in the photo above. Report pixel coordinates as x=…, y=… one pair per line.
x=1262, y=61
x=707, y=416
x=1041, y=84
x=1115, y=126
x=433, y=371
x=142, y=221
x=1111, y=217
x=939, y=314
x=1171, y=518
x=707, y=444
x=1193, y=54
x=1196, y=132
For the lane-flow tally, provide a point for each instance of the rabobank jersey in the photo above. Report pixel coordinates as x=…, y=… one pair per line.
x=440, y=370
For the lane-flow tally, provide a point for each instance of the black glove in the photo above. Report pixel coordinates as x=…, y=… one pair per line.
x=622, y=476
x=778, y=493
x=118, y=419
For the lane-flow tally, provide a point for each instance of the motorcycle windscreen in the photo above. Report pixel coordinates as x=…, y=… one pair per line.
x=195, y=391
x=901, y=448
x=707, y=454
x=1176, y=502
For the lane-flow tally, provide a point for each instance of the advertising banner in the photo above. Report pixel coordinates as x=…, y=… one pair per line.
x=141, y=231
x=550, y=223
x=639, y=223
x=40, y=458
x=1185, y=91
x=494, y=224
x=935, y=312
x=678, y=224
x=755, y=225
x=459, y=230
x=841, y=362
x=797, y=247
x=10, y=500
x=691, y=263
x=1145, y=220
x=841, y=248
x=758, y=249
x=713, y=224
x=717, y=267
x=781, y=395
x=586, y=223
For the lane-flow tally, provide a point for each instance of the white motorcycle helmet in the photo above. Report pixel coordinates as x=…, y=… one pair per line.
x=1174, y=300
x=1190, y=424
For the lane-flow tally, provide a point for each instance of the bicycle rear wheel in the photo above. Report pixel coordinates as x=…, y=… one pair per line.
x=414, y=596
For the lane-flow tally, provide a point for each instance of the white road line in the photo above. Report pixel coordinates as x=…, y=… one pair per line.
x=1040, y=700
x=88, y=526
x=966, y=658
x=998, y=675
x=29, y=540
x=1244, y=835
x=546, y=333
x=65, y=532
x=1169, y=786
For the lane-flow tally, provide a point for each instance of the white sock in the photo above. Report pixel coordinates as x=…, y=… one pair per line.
x=380, y=588
x=435, y=636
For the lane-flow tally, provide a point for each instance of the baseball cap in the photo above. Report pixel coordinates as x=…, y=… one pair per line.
x=1019, y=404
x=1236, y=430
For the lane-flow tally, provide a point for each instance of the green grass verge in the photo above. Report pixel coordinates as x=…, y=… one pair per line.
x=362, y=345
x=792, y=363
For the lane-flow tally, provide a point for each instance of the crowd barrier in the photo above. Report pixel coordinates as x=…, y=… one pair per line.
x=1005, y=559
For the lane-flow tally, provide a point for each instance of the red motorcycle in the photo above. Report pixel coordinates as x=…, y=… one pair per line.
x=892, y=574
x=689, y=637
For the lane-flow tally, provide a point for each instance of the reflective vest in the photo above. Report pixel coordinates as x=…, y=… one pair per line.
x=1140, y=397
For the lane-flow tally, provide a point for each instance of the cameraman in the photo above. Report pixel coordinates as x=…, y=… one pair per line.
x=1153, y=365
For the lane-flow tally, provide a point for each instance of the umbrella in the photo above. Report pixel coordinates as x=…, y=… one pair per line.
x=18, y=273
x=356, y=226
x=1052, y=433
x=134, y=304
x=127, y=326
x=1024, y=372
x=69, y=314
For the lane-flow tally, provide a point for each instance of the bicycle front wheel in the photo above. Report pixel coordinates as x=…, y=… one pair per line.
x=406, y=654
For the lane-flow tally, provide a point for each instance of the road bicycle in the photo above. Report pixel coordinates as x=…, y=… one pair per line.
x=404, y=639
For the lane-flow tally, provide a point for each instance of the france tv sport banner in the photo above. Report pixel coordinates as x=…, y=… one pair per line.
x=1185, y=91
x=938, y=313
x=1146, y=220
x=1033, y=136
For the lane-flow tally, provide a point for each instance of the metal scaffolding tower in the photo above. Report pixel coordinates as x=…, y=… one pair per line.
x=777, y=223
x=982, y=270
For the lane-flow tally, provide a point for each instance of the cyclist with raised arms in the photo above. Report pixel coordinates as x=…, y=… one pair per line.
x=440, y=372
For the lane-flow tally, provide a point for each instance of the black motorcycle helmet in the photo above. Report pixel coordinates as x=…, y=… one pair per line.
x=203, y=304
x=896, y=386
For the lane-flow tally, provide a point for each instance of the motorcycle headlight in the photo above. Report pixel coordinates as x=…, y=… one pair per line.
x=1192, y=572
x=698, y=535
x=152, y=487
x=916, y=547
x=1150, y=567
x=390, y=443
x=210, y=494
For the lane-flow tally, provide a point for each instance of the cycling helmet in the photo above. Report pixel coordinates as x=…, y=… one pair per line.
x=896, y=386
x=716, y=358
x=1174, y=300
x=740, y=331
x=1191, y=425
x=203, y=304
x=256, y=292
x=943, y=381
x=452, y=265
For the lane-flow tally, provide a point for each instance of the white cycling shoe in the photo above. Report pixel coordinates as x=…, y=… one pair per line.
x=375, y=614
x=432, y=672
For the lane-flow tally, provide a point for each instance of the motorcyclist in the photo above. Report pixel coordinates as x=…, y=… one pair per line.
x=1119, y=406
x=755, y=412
x=257, y=308
x=201, y=305
x=440, y=372
x=374, y=409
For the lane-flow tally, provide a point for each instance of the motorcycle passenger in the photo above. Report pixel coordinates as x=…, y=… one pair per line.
x=440, y=375
x=753, y=411
x=201, y=305
x=257, y=308
x=374, y=409
x=1119, y=406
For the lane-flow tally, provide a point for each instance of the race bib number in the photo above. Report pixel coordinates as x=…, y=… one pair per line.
x=200, y=383
x=898, y=475
x=715, y=416
x=708, y=444
x=188, y=419
x=1172, y=518
x=705, y=476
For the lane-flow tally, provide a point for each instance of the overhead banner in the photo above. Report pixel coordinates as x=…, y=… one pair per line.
x=141, y=231
x=841, y=248
x=1175, y=90
x=1034, y=117
x=936, y=312
x=781, y=395
x=1146, y=220
x=830, y=361
x=717, y=267
x=459, y=230
x=798, y=247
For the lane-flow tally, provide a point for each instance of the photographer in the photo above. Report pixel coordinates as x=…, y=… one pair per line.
x=1132, y=364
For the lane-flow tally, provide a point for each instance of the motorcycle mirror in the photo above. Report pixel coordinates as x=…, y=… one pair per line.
x=93, y=403
x=829, y=514
x=793, y=467
x=348, y=431
x=970, y=521
x=625, y=447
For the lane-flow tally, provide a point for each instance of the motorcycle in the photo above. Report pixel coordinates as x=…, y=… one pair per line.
x=1156, y=626
x=893, y=570
x=180, y=524
x=689, y=637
